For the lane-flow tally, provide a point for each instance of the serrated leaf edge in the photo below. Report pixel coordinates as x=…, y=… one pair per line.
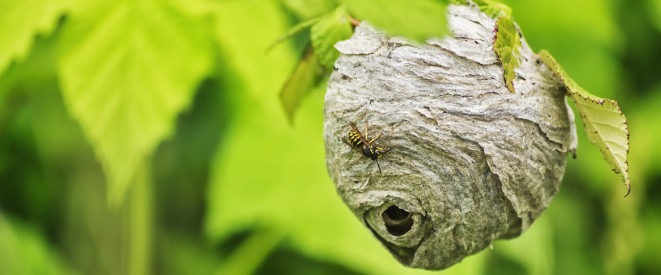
x=514, y=52
x=567, y=82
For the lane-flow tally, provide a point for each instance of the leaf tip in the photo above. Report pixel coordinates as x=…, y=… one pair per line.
x=307, y=74
x=628, y=189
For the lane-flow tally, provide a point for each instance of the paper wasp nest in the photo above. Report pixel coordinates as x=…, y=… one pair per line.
x=470, y=162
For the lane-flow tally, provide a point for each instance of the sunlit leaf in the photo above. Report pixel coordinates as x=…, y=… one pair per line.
x=305, y=77
x=21, y=21
x=26, y=251
x=605, y=124
x=507, y=41
x=506, y=47
x=243, y=40
x=325, y=32
x=127, y=69
x=330, y=29
x=415, y=19
x=243, y=49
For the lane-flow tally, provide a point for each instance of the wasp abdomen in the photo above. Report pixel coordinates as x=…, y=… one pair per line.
x=356, y=140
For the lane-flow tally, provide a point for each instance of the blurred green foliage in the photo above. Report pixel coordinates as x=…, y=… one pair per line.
x=181, y=96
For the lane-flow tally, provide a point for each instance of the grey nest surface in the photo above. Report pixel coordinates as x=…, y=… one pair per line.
x=470, y=162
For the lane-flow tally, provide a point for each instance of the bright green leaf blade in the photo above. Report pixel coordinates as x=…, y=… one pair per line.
x=243, y=47
x=21, y=21
x=305, y=77
x=127, y=69
x=605, y=124
x=415, y=19
x=507, y=46
x=256, y=80
x=332, y=28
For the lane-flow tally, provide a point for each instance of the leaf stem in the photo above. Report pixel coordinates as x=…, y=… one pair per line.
x=140, y=223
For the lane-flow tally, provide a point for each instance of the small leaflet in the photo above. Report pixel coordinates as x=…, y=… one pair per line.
x=303, y=79
x=506, y=46
x=330, y=29
x=605, y=124
x=506, y=38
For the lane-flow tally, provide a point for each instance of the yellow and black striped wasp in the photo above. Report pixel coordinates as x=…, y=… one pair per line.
x=365, y=146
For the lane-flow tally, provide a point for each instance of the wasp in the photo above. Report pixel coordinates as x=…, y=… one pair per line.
x=365, y=146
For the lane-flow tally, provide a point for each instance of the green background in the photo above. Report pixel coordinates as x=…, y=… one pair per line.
x=148, y=137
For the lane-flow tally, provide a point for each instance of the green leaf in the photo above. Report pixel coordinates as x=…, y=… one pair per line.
x=507, y=41
x=415, y=19
x=127, y=69
x=243, y=48
x=605, y=124
x=506, y=47
x=21, y=21
x=256, y=78
x=332, y=28
x=305, y=77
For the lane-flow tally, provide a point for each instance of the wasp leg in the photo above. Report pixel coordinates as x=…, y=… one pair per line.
x=378, y=136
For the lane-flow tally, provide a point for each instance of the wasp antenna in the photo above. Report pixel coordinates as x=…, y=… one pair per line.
x=377, y=165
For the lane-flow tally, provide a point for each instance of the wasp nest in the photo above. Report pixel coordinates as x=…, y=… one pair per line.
x=469, y=161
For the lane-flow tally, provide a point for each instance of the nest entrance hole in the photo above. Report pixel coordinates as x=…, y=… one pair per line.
x=397, y=220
